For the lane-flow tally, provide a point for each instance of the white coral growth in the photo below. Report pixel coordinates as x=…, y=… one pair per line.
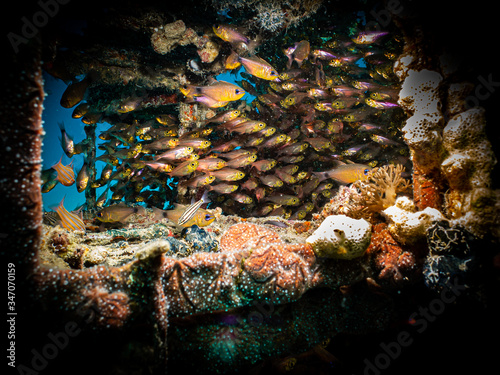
x=270, y=17
x=341, y=237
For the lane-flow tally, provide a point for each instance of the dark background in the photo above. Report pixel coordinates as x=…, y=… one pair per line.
x=464, y=338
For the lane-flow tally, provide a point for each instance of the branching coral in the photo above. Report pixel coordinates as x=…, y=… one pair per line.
x=364, y=198
x=380, y=190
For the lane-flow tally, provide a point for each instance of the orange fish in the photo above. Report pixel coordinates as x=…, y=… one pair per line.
x=74, y=93
x=299, y=52
x=65, y=173
x=229, y=34
x=69, y=220
x=345, y=173
x=220, y=91
x=208, y=101
x=259, y=68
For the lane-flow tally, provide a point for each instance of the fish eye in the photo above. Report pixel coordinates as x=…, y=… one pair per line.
x=237, y=91
x=274, y=73
x=208, y=217
x=366, y=171
x=99, y=214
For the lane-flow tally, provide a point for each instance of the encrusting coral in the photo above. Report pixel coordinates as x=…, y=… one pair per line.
x=396, y=264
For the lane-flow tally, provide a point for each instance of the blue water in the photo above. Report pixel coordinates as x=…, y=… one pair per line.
x=52, y=150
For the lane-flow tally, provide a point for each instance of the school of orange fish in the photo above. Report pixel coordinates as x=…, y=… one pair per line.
x=327, y=119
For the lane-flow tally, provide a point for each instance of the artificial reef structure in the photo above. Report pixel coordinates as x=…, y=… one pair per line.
x=253, y=299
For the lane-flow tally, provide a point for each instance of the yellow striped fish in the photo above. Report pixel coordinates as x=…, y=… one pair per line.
x=65, y=173
x=193, y=208
x=69, y=220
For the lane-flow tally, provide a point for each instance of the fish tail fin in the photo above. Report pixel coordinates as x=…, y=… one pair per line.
x=140, y=210
x=321, y=176
x=60, y=160
x=55, y=207
x=186, y=90
x=158, y=214
x=205, y=197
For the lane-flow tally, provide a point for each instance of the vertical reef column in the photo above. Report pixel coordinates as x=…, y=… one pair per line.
x=21, y=149
x=470, y=201
x=90, y=192
x=452, y=157
x=420, y=97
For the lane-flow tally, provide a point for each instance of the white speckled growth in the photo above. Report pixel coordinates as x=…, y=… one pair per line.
x=406, y=225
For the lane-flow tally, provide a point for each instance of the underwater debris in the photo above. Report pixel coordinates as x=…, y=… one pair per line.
x=341, y=237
